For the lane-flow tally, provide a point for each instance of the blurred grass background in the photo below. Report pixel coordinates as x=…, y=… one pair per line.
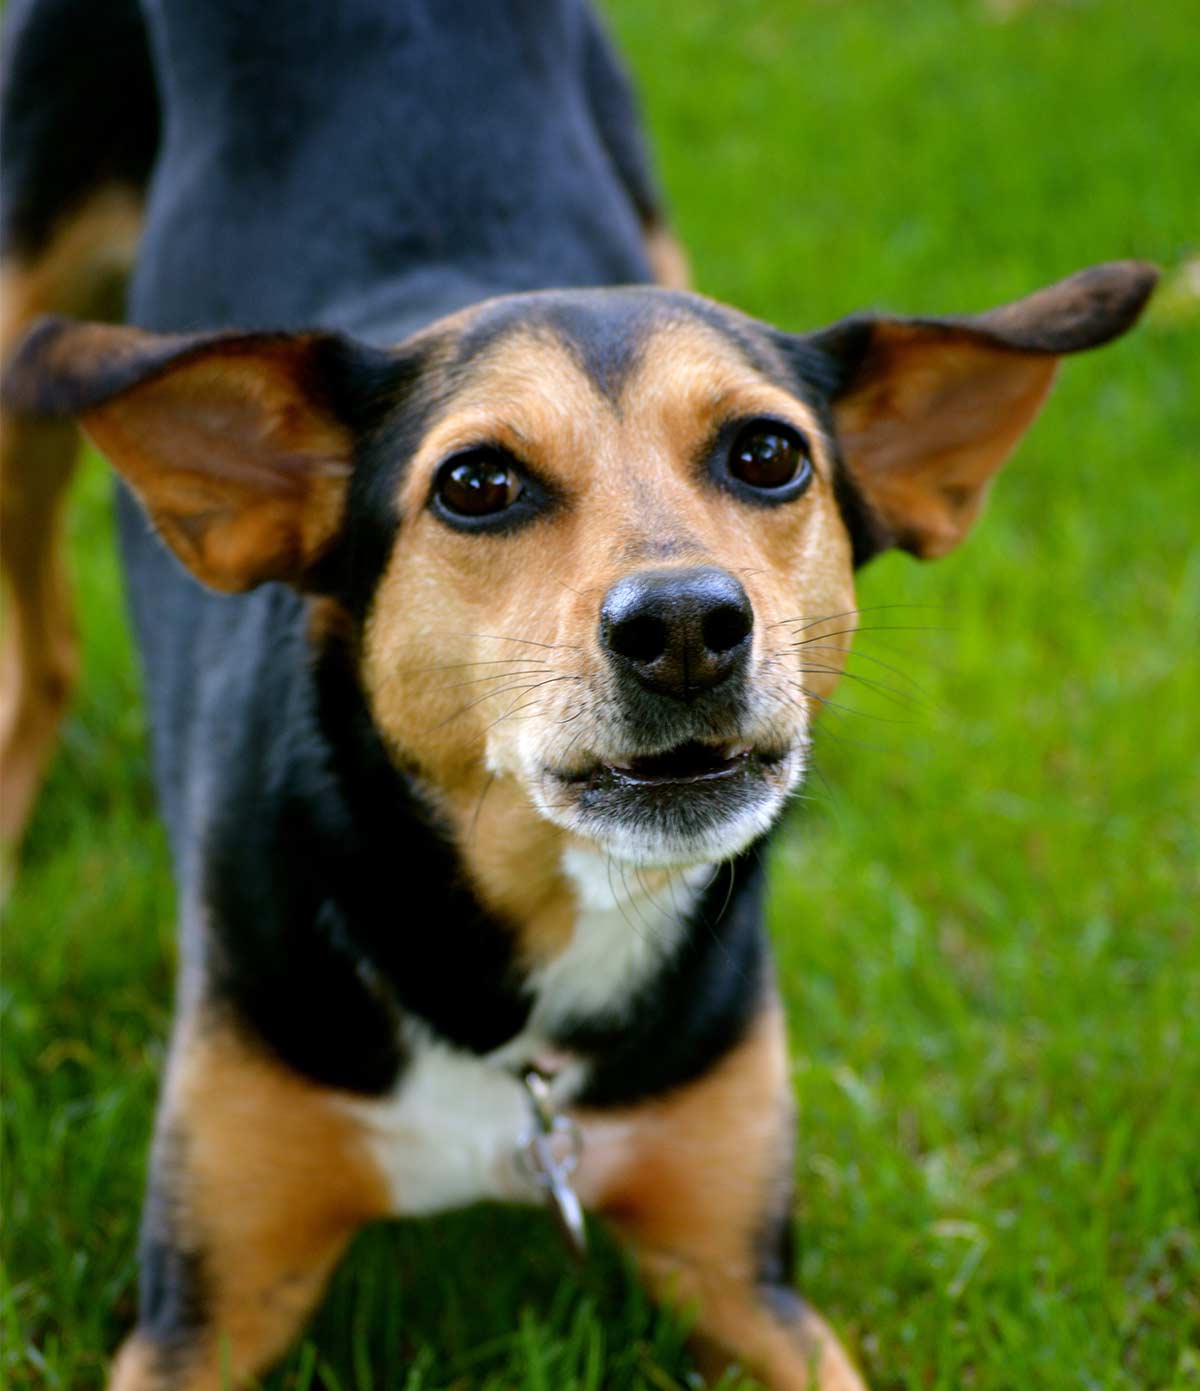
x=986, y=916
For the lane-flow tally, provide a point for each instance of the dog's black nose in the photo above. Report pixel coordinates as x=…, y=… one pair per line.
x=680, y=632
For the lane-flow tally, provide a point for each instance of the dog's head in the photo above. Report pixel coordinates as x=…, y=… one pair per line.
x=595, y=546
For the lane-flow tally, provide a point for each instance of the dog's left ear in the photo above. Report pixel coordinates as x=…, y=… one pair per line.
x=239, y=446
x=927, y=410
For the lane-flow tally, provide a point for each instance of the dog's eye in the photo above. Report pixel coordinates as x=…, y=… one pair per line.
x=479, y=483
x=770, y=455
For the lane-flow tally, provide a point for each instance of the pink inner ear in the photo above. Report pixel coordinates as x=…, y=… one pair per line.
x=934, y=414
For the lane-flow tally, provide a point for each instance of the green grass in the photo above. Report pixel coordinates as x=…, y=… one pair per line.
x=986, y=917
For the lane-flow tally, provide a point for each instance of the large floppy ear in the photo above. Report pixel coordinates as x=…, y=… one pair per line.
x=239, y=446
x=926, y=410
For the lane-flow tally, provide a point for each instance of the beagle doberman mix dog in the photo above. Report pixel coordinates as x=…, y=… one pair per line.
x=486, y=582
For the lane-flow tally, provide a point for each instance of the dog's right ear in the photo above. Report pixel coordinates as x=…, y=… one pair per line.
x=239, y=446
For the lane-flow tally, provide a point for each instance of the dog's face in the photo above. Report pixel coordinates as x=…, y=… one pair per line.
x=595, y=546
x=612, y=529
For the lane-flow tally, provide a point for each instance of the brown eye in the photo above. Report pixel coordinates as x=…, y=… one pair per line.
x=478, y=484
x=771, y=456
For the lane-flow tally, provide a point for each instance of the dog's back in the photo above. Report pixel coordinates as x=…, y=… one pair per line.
x=368, y=164
x=403, y=158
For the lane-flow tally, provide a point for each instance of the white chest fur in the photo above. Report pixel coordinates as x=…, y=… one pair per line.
x=447, y=1135
x=623, y=931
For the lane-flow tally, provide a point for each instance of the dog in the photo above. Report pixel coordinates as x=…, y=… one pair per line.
x=487, y=581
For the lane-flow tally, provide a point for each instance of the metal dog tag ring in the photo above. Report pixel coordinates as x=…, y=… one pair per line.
x=539, y=1159
x=567, y=1212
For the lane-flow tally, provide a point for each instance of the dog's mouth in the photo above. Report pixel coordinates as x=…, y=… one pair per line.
x=689, y=762
x=693, y=802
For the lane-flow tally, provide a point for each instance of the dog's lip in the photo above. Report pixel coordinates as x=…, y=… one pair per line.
x=687, y=762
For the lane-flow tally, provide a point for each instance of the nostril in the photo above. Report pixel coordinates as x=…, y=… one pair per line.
x=677, y=632
x=642, y=638
x=726, y=627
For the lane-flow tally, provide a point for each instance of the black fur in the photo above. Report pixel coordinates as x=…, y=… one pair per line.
x=404, y=158
x=697, y=1008
x=386, y=400
x=173, y=1297
x=78, y=110
x=821, y=367
x=605, y=333
x=337, y=900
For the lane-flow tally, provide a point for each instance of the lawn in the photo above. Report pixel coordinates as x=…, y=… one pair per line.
x=986, y=915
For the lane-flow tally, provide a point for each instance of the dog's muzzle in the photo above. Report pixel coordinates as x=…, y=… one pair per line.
x=682, y=774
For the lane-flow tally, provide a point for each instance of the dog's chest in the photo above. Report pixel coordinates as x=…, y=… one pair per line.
x=448, y=1135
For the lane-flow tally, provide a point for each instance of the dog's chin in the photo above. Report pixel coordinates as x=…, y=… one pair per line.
x=694, y=804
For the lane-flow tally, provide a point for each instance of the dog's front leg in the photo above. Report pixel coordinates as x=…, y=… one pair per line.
x=700, y=1184
x=258, y=1180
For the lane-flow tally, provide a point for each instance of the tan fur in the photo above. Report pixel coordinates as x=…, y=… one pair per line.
x=39, y=657
x=328, y=622
x=253, y=488
x=515, y=859
x=929, y=422
x=668, y=260
x=480, y=650
x=268, y=1178
x=687, y=1180
x=80, y=271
